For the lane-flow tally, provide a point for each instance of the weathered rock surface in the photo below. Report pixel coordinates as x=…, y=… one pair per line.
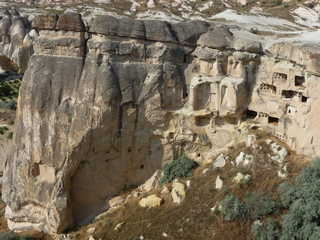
x=105, y=107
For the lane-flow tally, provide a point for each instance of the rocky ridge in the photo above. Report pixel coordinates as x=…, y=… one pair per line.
x=107, y=105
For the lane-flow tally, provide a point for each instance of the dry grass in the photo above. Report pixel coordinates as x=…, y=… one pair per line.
x=193, y=219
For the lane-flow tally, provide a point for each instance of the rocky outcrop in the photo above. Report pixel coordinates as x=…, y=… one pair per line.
x=15, y=41
x=104, y=107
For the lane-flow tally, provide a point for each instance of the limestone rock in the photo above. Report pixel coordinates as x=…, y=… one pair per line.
x=151, y=4
x=219, y=162
x=279, y=151
x=251, y=139
x=165, y=190
x=178, y=192
x=116, y=201
x=241, y=177
x=91, y=230
x=219, y=183
x=152, y=181
x=151, y=201
x=118, y=226
x=240, y=158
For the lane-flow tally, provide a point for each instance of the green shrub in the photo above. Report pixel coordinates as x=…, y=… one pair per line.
x=256, y=205
x=267, y=231
x=182, y=167
x=259, y=204
x=11, y=104
x=232, y=208
x=303, y=200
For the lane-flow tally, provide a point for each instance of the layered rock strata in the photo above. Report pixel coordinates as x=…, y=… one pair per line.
x=104, y=107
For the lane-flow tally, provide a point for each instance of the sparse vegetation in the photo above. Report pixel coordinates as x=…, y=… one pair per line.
x=14, y=236
x=10, y=135
x=181, y=167
x=3, y=129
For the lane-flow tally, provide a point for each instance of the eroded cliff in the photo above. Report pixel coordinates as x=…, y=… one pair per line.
x=107, y=105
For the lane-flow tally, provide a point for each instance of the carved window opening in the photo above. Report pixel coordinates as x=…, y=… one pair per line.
x=231, y=120
x=194, y=137
x=273, y=120
x=142, y=166
x=288, y=94
x=299, y=81
x=202, y=95
x=99, y=60
x=173, y=96
x=36, y=170
x=202, y=121
x=251, y=114
x=304, y=99
x=171, y=136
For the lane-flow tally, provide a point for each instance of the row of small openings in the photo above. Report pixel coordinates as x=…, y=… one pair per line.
x=280, y=136
x=267, y=87
x=280, y=77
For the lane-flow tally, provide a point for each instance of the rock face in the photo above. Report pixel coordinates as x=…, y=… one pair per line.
x=104, y=107
x=15, y=41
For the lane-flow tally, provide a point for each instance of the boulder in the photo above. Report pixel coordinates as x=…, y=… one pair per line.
x=152, y=181
x=151, y=201
x=219, y=162
x=219, y=183
x=178, y=192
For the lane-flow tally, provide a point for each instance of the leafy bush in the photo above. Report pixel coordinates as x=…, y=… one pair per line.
x=267, y=231
x=232, y=207
x=256, y=205
x=259, y=204
x=303, y=199
x=182, y=167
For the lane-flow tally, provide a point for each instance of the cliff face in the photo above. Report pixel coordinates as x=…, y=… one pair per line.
x=104, y=107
